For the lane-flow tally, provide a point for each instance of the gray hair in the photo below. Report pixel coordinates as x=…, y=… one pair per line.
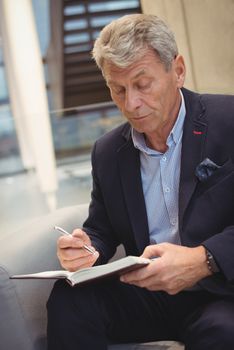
x=128, y=38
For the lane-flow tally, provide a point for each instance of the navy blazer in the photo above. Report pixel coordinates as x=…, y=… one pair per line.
x=117, y=213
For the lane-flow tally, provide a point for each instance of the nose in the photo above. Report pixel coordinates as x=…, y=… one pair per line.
x=132, y=100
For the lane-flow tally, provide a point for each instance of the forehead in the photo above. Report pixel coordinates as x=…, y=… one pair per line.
x=146, y=65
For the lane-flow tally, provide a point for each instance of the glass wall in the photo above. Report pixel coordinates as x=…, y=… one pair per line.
x=76, y=129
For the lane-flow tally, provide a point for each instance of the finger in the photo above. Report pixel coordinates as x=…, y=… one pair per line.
x=71, y=242
x=153, y=251
x=81, y=262
x=149, y=282
x=140, y=274
x=81, y=235
x=65, y=242
x=71, y=252
x=134, y=276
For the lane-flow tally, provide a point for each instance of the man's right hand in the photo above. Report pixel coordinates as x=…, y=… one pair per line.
x=71, y=253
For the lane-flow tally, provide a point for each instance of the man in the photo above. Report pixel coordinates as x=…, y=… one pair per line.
x=163, y=187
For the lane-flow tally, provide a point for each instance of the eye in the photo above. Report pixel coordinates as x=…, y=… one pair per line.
x=118, y=90
x=144, y=85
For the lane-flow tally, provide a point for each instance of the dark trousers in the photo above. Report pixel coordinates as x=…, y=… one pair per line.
x=93, y=316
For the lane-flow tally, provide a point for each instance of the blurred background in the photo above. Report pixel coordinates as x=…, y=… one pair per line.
x=54, y=102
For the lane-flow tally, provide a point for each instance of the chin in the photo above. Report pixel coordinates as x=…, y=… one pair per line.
x=147, y=128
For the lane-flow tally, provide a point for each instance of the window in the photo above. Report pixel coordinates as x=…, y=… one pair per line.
x=83, y=20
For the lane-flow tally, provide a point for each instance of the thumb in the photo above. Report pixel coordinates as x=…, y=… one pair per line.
x=152, y=251
x=82, y=235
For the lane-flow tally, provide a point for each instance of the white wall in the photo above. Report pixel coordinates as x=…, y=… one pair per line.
x=204, y=30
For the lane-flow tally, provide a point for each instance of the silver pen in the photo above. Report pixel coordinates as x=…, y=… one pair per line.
x=67, y=233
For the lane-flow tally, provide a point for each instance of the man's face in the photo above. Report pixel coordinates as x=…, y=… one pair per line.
x=147, y=94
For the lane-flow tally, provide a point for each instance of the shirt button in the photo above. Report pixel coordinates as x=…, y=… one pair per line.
x=164, y=158
x=167, y=189
x=173, y=222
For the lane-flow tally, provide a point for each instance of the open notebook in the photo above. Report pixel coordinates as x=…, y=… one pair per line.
x=115, y=268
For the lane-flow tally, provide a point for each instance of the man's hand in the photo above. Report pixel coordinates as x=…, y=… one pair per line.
x=70, y=251
x=174, y=269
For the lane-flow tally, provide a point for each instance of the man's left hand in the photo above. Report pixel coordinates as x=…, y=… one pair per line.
x=174, y=269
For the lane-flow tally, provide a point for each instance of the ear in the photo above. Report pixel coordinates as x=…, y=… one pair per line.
x=180, y=70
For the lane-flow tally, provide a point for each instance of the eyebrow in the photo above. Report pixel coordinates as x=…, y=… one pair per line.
x=142, y=72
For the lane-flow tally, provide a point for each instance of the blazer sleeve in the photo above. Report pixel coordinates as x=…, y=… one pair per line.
x=98, y=225
x=221, y=246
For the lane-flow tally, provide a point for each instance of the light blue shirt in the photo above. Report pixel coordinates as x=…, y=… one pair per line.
x=160, y=174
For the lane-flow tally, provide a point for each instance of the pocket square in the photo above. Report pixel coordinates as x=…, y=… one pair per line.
x=205, y=169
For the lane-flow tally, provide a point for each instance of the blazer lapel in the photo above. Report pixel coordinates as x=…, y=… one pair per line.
x=194, y=136
x=129, y=167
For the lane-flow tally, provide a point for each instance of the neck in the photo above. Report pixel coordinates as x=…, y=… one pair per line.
x=157, y=143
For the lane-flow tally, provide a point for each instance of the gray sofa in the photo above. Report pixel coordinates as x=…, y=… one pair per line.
x=23, y=302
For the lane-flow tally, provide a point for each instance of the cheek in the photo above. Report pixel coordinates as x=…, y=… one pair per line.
x=153, y=101
x=154, y=96
x=116, y=99
x=119, y=104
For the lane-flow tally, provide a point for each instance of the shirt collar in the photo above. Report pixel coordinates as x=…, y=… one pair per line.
x=174, y=136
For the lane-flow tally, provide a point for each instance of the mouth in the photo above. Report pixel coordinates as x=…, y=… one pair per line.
x=140, y=117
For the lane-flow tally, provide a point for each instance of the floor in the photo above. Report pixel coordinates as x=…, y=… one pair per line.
x=22, y=201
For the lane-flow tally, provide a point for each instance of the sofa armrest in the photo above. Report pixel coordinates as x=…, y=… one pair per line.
x=23, y=303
